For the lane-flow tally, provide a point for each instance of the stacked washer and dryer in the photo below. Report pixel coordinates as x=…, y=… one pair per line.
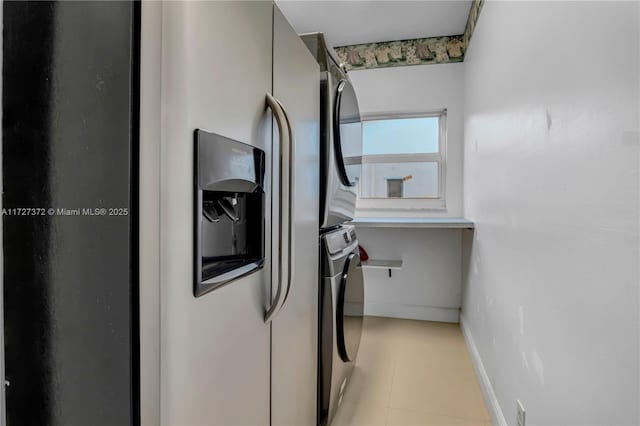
x=341, y=293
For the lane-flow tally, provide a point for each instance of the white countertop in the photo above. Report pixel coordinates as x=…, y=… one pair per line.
x=413, y=222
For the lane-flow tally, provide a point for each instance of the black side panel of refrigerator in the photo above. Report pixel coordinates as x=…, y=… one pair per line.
x=70, y=153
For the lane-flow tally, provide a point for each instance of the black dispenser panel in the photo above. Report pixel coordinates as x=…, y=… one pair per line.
x=229, y=210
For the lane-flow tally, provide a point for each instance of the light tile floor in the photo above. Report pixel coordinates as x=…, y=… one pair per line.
x=412, y=373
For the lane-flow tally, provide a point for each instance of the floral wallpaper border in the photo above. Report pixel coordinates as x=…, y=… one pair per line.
x=421, y=51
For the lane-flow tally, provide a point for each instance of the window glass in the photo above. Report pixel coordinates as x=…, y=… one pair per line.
x=350, y=128
x=401, y=136
x=399, y=180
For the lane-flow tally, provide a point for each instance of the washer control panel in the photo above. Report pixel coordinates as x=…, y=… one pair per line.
x=340, y=239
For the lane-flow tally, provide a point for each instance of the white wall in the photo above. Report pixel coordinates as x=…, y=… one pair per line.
x=429, y=284
x=552, y=183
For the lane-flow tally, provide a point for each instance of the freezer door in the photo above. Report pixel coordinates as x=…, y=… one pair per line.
x=294, y=354
x=216, y=70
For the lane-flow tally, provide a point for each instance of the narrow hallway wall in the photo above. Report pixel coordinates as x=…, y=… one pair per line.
x=551, y=179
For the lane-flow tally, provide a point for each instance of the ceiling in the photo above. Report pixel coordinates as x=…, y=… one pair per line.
x=353, y=22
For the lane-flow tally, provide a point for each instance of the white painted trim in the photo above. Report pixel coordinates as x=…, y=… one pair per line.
x=434, y=157
x=389, y=115
x=497, y=417
x=442, y=150
x=416, y=312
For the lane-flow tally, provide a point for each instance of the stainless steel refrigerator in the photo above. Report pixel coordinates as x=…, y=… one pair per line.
x=239, y=348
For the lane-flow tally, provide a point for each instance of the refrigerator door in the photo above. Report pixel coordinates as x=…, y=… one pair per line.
x=69, y=141
x=216, y=71
x=294, y=330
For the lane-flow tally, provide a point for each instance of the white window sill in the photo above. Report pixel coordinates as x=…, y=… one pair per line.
x=386, y=206
x=416, y=210
x=413, y=222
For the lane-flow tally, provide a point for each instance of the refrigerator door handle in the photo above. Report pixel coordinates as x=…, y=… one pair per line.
x=281, y=121
x=291, y=179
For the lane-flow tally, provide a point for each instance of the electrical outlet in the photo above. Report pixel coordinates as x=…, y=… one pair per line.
x=520, y=420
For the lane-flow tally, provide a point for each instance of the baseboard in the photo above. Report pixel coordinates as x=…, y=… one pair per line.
x=495, y=411
x=417, y=312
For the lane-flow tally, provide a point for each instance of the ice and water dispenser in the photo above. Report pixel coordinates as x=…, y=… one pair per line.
x=229, y=210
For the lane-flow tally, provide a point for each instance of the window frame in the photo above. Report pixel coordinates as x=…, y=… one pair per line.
x=408, y=204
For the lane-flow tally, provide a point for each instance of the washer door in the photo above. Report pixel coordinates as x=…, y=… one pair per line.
x=347, y=134
x=350, y=309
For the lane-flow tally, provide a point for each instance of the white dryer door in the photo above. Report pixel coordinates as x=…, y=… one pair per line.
x=345, y=162
x=347, y=134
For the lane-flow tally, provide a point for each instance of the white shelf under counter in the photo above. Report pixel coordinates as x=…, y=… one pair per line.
x=382, y=264
x=414, y=222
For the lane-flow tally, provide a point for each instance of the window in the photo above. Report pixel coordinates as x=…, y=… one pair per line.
x=403, y=162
